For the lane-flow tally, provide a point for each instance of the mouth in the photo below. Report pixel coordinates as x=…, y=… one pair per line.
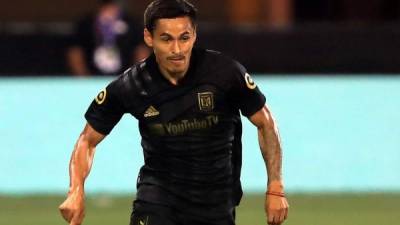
x=176, y=58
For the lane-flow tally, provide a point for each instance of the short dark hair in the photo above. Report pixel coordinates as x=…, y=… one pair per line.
x=167, y=9
x=106, y=2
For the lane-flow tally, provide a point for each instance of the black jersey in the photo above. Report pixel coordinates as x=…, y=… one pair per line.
x=191, y=132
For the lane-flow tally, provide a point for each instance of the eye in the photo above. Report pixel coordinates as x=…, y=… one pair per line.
x=185, y=37
x=165, y=38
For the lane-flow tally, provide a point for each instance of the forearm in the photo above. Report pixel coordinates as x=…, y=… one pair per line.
x=276, y=205
x=80, y=164
x=271, y=151
x=73, y=208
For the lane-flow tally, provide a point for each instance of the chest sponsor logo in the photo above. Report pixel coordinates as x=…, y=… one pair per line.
x=101, y=97
x=206, y=101
x=151, y=111
x=184, y=126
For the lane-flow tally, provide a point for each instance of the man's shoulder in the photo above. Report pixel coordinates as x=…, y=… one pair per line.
x=213, y=55
x=219, y=60
x=219, y=67
x=129, y=88
x=131, y=78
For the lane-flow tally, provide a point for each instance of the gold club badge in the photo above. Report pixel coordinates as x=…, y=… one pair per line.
x=206, y=101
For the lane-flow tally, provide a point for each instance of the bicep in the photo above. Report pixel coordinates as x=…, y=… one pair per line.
x=262, y=118
x=91, y=136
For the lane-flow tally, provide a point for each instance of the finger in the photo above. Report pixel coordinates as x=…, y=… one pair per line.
x=75, y=221
x=277, y=218
x=273, y=223
x=270, y=223
x=286, y=213
x=66, y=214
x=78, y=218
x=81, y=216
x=282, y=215
x=272, y=217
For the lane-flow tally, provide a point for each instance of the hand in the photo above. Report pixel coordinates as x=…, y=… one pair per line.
x=73, y=208
x=276, y=208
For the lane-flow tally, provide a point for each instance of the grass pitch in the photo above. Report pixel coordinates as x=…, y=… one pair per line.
x=310, y=209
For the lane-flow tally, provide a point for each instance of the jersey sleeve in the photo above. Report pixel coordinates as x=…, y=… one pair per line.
x=246, y=95
x=106, y=109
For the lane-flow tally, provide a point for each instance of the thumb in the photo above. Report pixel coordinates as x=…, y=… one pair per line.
x=78, y=217
x=74, y=223
x=65, y=213
x=76, y=220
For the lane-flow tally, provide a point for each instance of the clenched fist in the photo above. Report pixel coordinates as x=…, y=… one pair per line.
x=73, y=208
x=276, y=205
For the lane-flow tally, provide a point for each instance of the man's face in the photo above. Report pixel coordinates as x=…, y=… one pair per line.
x=172, y=41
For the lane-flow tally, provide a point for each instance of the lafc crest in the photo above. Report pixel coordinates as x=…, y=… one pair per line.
x=206, y=101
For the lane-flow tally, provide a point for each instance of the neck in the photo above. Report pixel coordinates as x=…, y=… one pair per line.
x=173, y=78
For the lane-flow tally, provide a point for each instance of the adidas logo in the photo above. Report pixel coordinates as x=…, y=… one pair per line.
x=151, y=111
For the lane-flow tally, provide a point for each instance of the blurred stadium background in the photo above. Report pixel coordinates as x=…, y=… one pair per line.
x=329, y=69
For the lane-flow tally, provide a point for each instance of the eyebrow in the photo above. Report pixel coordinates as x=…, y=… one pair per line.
x=169, y=35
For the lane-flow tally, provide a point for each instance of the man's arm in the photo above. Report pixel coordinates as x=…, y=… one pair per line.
x=73, y=208
x=276, y=206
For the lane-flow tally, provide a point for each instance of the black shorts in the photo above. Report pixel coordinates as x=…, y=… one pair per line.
x=145, y=213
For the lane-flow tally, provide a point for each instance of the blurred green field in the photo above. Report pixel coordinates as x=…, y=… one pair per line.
x=317, y=209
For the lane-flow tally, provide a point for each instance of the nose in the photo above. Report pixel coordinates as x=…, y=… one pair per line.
x=176, y=48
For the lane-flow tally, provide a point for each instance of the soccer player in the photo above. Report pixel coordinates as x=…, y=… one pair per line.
x=188, y=103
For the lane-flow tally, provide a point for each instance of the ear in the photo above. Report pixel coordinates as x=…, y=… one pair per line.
x=195, y=34
x=148, y=38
